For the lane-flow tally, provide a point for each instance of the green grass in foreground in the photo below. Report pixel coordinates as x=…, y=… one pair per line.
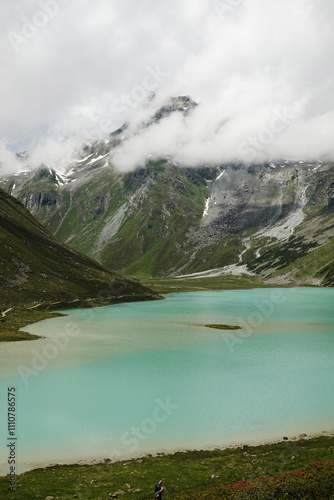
x=18, y=318
x=184, y=474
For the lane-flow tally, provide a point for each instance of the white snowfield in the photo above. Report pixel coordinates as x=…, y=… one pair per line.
x=83, y=159
x=94, y=160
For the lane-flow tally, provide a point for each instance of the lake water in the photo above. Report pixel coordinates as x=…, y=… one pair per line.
x=124, y=380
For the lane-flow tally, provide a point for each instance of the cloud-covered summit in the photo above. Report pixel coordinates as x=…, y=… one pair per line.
x=261, y=71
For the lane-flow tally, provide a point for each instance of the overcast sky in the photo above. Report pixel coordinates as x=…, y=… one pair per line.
x=262, y=71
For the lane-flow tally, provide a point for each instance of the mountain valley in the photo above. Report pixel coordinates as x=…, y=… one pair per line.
x=272, y=220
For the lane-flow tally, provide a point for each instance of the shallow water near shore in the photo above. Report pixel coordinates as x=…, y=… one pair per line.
x=124, y=380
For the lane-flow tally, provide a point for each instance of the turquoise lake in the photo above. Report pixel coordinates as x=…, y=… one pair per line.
x=147, y=377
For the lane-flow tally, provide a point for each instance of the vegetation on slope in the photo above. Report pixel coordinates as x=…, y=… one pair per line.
x=306, y=257
x=37, y=270
x=166, y=202
x=165, y=220
x=314, y=482
x=191, y=284
x=185, y=475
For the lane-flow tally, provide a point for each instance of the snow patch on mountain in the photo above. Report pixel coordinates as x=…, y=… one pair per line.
x=206, y=208
x=94, y=160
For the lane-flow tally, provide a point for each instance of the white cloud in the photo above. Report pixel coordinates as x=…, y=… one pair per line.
x=76, y=67
x=9, y=162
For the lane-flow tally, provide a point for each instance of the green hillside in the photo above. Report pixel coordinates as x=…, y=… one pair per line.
x=38, y=271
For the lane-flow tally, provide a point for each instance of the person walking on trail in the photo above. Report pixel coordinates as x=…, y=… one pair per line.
x=158, y=490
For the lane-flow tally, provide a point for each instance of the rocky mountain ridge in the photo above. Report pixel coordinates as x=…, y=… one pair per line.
x=274, y=220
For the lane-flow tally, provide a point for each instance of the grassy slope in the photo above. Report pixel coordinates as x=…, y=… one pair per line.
x=87, y=212
x=171, y=285
x=36, y=268
x=18, y=318
x=151, y=239
x=317, y=263
x=183, y=473
x=307, y=257
x=162, y=203
x=83, y=210
x=164, y=206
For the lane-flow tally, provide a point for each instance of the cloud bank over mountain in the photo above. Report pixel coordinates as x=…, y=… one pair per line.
x=261, y=71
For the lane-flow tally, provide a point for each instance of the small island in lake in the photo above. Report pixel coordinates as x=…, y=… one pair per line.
x=224, y=327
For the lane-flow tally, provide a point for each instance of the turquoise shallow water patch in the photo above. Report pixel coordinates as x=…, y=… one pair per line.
x=149, y=377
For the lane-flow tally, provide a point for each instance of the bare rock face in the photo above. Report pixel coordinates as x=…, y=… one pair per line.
x=183, y=104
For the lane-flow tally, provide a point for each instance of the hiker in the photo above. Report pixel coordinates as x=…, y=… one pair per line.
x=158, y=490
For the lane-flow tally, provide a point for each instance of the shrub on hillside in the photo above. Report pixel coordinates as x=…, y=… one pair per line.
x=314, y=482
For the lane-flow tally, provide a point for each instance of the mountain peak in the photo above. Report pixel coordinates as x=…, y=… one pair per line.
x=22, y=155
x=184, y=104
